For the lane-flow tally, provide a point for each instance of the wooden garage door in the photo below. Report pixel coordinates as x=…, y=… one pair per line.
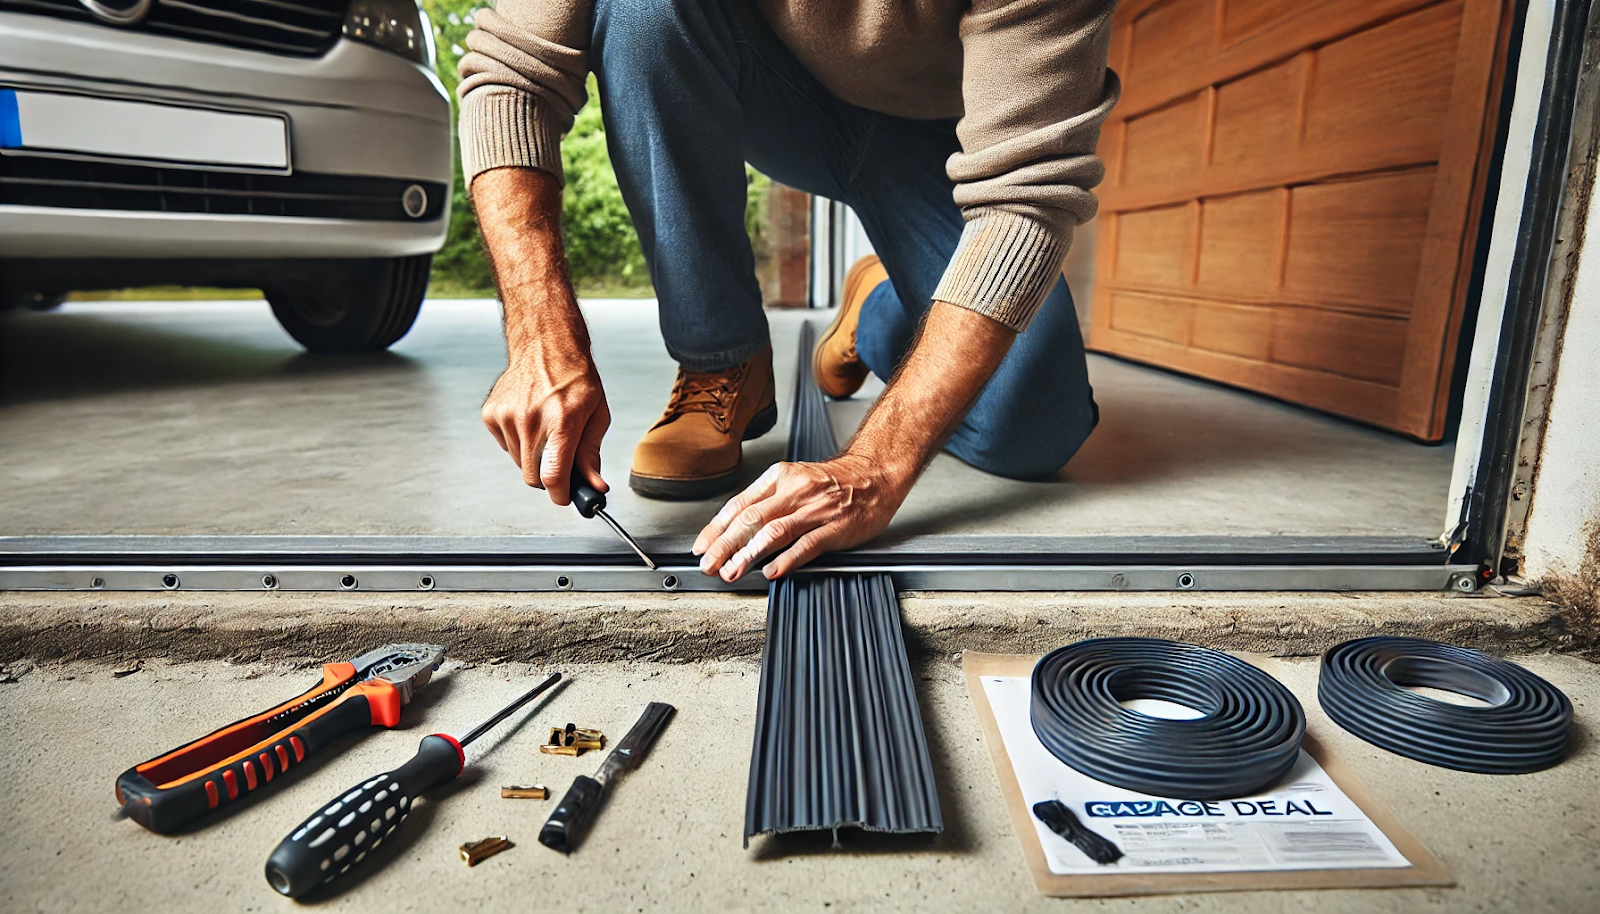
x=1292, y=195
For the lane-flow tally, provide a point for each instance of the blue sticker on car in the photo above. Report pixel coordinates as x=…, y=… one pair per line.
x=10, y=121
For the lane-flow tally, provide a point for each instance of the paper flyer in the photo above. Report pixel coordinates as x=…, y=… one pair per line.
x=1305, y=823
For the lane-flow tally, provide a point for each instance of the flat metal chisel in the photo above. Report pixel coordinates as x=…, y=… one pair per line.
x=590, y=502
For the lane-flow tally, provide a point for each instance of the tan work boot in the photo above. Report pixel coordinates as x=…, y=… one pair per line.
x=835, y=365
x=694, y=451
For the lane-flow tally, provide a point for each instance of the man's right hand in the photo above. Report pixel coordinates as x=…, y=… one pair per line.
x=550, y=419
x=547, y=409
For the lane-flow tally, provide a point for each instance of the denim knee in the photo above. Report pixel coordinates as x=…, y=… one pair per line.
x=1033, y=451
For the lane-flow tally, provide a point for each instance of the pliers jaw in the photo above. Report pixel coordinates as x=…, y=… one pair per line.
x=408, y=667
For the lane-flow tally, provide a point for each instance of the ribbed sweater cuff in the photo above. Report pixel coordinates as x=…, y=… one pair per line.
x=1004, y=267
x=503, y=127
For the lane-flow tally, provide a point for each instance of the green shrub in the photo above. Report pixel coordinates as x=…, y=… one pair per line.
x=601, y=244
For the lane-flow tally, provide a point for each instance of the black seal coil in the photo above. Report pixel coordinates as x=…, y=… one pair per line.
x=1524, y=728
x=1247, y=741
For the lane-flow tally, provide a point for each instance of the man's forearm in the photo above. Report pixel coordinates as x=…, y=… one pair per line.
x=547, y=409
x=953, y=357
x=519, y=215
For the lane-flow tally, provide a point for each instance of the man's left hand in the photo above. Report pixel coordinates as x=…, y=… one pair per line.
x=813, y=508
x=810, y=508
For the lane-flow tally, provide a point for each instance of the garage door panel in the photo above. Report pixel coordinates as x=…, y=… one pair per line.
x=1350, y=345
x=1240, y=242
x=1303, y=22
x=1242, y=19
x=1258, y=118
x=1153, y=247
x=1166, y=148
x=1171, y=36
x=1385, y=92
x=1238, y=330
x=1289, y=194
x=1154, y=316
x=1359, y=242
x=1239, y=37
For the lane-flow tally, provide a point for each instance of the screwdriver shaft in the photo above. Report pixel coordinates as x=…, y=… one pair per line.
x=506, y=711
x=626, y=538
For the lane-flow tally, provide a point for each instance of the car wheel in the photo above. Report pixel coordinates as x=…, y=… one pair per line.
x=353, y=306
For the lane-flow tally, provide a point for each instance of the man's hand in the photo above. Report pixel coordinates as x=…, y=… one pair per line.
x=550, y=419
x=548, y=409
x=812, y=508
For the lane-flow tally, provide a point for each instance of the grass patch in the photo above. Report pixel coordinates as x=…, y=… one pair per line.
x=167, y=293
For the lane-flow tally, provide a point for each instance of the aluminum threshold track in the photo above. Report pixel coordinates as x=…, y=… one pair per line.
x=620, y=578
x=531, y=564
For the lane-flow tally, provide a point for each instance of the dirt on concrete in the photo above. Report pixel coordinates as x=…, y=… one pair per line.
x=687, y=628
x=1576, y=626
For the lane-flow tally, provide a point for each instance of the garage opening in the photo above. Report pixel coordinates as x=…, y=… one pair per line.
x=1278, y=296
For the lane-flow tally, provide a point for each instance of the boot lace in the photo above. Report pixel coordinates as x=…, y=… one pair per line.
x=712, y=393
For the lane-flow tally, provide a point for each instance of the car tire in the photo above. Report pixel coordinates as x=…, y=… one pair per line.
x=353, y=306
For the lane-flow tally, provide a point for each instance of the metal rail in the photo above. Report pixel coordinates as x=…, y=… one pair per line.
x=625, y=578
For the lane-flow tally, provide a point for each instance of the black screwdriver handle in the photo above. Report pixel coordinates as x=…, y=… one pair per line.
x=586, y=498
x=565, y=828
x=341, y=834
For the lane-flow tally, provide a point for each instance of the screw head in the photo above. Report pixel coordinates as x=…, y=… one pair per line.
x=1186, y=580
x=564, y=582
x=170, y=581
x=425, y=582
x=269, y=581
x=348, y=582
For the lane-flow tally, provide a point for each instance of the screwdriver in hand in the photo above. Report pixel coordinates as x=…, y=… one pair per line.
x=591, y=501
x=342, y=833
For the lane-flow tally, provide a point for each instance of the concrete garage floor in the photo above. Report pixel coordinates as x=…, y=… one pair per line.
x=205, y=418
x=670, y=837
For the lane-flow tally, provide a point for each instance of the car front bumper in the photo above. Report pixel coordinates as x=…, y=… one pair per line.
x=356, y=111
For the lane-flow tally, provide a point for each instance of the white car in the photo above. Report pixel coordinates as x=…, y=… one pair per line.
x=301, y=147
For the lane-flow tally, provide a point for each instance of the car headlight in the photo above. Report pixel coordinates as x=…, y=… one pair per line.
x=395, y=25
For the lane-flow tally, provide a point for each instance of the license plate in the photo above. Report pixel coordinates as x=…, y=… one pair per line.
x=112, y=128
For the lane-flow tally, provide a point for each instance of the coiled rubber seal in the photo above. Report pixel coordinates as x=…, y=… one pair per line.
x=1362, y=687
x=1247, y=741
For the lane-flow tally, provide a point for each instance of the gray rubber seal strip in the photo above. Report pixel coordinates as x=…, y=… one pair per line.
x=1363, y=687
x=839, y=740
x=1247, y=740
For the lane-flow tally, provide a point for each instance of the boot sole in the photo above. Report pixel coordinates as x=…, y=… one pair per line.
x=705, y=486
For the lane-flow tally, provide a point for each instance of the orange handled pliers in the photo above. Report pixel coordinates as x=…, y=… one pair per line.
x=174, y=790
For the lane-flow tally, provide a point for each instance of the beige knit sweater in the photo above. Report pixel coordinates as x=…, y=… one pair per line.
x=1028, y=79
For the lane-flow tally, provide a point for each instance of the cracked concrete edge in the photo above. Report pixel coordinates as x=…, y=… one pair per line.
x=587, y=628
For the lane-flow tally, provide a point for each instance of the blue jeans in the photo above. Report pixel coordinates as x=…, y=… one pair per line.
x=693, y=90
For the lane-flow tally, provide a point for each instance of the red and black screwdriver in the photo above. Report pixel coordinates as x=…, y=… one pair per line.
x=341, y=834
